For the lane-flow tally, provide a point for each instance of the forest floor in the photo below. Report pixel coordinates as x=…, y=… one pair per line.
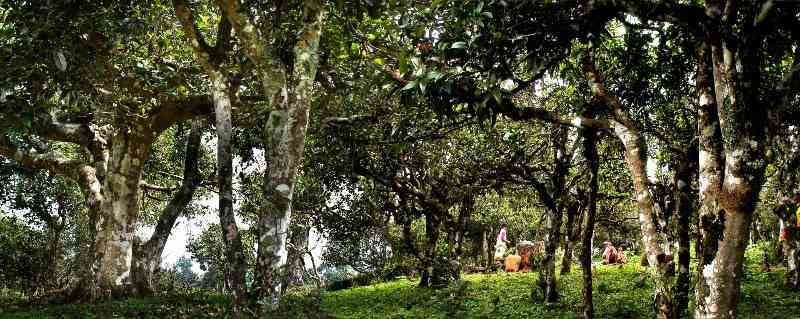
x=619, y=292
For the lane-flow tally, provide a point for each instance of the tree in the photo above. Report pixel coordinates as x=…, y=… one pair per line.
x=212, y=59
x=186, y=276
x=147, y=255
x=108, y=131
x=288, y=99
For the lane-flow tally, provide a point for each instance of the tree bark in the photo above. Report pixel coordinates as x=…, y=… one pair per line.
x=728, y=196
x=635, y=153
x=430, y=276
x=296, y=264
x=147, y=256
x=237, y=267
x=287, y=127
x=554, y=201
x=684, y=196
x=212, y=60
x=791, y=248
x=113, y=248
x=590, y=153
x=573, y=210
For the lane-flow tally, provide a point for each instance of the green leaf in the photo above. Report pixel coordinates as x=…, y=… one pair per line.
x=409, y=86
x=402, y=64
x=458, y=45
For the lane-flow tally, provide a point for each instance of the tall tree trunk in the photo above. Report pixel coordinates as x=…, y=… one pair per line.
x=113, y=248
x=286, y=129
x=732, y=163
x=237, y=267
x=212, y=59
x=635, y=153
x=147, y=256
x=590, y=153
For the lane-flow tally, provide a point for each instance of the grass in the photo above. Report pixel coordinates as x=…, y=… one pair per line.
x=619, y=292
x=196, y=305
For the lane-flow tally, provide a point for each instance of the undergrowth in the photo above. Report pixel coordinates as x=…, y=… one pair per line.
x=619, y=292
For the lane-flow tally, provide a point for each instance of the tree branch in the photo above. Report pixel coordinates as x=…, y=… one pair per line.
x=51, y=161
x=202, y=51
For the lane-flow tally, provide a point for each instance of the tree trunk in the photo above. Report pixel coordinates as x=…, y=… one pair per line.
x=296, y=264
x=113, y=248
x=430, y=276
x=83, y=287
x=484, y=249
x=684, y=205
x=590, y=153
x=237, y=267
x=569, y=237
x=728, y=196
x=554, y=201
x=489, y=253
x=791, y=248
x=54, y=250
x=286, y=130
x=147, y=256
x=458, y=231
x=635, y=153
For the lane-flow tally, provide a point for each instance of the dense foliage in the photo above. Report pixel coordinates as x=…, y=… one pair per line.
x=313, y=146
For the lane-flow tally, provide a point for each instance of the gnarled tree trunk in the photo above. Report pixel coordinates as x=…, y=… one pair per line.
x=147, y=256
x=286, y=129
x=113, y=244
x=732, y=130
x=212, y=60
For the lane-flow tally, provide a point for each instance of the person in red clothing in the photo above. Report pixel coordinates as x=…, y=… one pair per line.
x=785, y=214
x=609, y=253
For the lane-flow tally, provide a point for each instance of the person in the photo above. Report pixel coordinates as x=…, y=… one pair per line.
x=501, y=243
x=610, y=254
x=786, y=215
x=621, y=258
x=797, y=211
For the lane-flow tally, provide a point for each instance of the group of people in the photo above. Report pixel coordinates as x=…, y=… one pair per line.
x=788, y=214
x=611, y=254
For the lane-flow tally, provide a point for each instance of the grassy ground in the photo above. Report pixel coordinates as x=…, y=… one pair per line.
x=619, y=292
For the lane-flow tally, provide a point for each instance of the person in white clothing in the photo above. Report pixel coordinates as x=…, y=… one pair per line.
x=501, y=244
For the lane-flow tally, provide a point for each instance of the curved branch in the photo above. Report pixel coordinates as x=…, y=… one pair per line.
x=51, y=161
